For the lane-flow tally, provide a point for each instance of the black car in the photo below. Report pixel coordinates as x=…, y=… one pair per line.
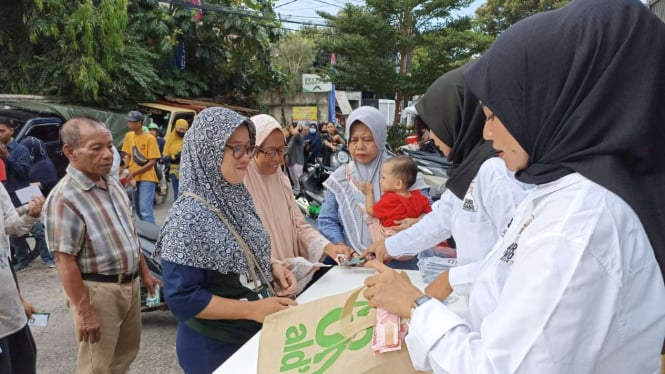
x=43, y=126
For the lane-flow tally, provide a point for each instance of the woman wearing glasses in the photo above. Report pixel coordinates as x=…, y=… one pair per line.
x=217, y=270
x=294, y=242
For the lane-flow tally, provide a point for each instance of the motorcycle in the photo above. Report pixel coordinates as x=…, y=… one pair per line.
x=432, y=164
x=311, y=182
x=148, y=234
x=340, y=157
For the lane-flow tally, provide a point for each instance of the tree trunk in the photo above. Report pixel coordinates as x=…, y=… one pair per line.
x=399, y=95
x=282, y=101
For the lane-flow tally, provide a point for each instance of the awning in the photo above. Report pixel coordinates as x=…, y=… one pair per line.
x=343, y=102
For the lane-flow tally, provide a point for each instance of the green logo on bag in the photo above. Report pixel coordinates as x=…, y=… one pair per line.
x=331, y=345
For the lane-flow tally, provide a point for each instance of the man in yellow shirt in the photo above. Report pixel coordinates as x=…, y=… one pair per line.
x=143, y=153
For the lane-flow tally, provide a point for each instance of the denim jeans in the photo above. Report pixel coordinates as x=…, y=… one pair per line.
x=144, y=198
x=176, y=183
x=411, y=264
x=22, y=249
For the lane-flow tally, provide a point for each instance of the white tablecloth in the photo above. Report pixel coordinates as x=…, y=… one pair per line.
x=337, y=280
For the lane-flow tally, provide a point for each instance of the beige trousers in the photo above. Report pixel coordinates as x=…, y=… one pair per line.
x=118, y=308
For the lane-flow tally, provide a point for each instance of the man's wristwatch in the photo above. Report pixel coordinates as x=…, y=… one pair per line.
x=418, y=302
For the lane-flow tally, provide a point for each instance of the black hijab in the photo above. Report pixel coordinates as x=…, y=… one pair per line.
x=452, y=112
x=582, y=89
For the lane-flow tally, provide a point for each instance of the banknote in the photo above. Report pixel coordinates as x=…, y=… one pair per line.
x=388, y=332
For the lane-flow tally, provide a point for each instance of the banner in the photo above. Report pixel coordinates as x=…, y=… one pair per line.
x=304, y=113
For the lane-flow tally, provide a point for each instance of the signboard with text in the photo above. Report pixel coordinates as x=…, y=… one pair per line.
x=304, y=113
x=315, y=83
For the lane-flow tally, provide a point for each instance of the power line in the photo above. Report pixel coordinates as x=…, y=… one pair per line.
x=227, y=10
x=331, y=4
x=287, y=3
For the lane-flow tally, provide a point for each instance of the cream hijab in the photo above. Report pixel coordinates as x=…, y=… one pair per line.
x=290, y=235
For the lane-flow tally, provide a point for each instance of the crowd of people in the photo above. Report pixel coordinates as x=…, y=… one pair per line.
x=554, y=199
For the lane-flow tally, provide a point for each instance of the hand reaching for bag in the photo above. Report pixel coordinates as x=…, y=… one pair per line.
x=265, y=307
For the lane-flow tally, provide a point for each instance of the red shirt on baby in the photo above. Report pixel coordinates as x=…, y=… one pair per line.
x=392, y=207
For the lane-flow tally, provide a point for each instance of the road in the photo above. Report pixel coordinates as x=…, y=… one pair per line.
x=56, y=345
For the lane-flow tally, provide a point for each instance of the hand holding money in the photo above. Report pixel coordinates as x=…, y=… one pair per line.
x=388, y=332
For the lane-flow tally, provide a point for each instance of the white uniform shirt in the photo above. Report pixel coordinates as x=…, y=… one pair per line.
x=475, y=222
x=577, y=291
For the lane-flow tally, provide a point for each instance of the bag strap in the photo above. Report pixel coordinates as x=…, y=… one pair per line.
x=350, y=327
x=249, y=256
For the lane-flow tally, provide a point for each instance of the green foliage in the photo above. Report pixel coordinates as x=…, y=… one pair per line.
x=117, y=52
x=364, y=43
x=398, y=47
x=445, y=49
x=396, y=136
x=496, y=15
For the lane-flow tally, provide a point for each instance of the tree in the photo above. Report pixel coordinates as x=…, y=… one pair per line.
x=113, y=52
x=383, y=47
x=294, y=55
x=496, y=15
x=58, y=41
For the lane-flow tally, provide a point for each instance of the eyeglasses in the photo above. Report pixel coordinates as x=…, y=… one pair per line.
x=241, y=150
x=274, y=151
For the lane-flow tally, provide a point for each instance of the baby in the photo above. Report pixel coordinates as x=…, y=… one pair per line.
x=398, y=174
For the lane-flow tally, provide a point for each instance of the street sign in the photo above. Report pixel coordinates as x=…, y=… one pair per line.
x=315, y=83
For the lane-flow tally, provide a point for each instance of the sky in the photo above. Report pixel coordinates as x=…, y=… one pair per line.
x=305, y=10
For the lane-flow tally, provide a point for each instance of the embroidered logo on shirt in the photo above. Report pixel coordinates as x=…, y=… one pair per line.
x=469, y=204
x=509, y=253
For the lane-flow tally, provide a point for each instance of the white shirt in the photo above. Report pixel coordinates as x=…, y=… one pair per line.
x=12, y=223
x=12, y=315
x=578, y=291
x=475, y=222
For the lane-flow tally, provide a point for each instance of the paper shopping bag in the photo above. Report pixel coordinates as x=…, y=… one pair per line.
x=330, y=335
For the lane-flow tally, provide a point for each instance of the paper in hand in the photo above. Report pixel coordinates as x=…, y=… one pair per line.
x=25, y=194
x=39, y=319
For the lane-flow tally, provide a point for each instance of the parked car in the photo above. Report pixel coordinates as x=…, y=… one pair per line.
x=43, y=121
x=166, y=115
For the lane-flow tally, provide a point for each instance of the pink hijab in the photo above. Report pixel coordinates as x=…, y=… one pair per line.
x=290, y=235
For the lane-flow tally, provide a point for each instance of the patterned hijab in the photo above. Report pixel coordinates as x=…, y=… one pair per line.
x=36, y=147
x=350, y=199
x=193, y=235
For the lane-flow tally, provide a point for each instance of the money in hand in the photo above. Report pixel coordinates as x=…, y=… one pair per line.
x=388, y=334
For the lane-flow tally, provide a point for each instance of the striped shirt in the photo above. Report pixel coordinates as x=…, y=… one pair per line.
x=94, y=224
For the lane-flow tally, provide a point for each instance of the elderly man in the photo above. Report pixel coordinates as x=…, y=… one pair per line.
x=90, y=229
